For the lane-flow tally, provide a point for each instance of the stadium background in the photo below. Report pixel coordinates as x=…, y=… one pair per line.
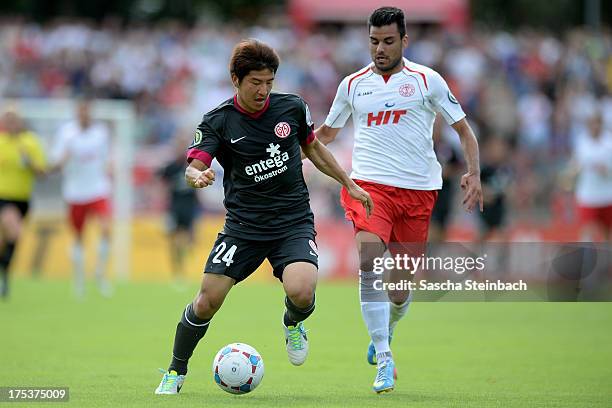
x=525, y=73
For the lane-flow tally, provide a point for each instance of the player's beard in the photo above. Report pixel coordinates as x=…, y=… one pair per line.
x=383, y=69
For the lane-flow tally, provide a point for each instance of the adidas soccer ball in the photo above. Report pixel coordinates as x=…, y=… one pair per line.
x=238, y=368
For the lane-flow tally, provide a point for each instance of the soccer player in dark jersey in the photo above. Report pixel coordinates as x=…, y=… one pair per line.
x=182, y=209
x=257, y=136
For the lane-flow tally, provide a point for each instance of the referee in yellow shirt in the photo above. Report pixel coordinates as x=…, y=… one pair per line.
x=21, y=159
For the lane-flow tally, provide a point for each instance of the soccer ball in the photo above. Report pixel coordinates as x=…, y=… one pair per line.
x=238, y=368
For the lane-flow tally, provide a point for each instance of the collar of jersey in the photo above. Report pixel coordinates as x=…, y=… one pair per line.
x=253, y=115
x=387, y=77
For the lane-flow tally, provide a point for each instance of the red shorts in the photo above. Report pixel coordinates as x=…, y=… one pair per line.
x=400, y=215
x=80, y=212
x=596, y=215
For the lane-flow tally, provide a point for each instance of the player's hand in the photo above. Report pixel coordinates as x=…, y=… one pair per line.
x=199, y=179
x=472, y=192
x=363, y=196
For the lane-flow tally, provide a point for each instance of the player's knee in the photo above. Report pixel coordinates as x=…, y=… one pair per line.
x=303, y=297
x=106, y=234
x=206, y=305
x=369, y=261
x=368, y=256
x=301, y=292
x=10, y=224
x=370, y=247
x=399, y=297
x=105, y=230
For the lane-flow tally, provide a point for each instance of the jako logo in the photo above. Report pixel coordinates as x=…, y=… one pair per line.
x=383, y=117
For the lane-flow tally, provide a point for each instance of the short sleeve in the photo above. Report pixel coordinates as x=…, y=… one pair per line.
x=205, y=144
x=60, y=145
x=306, y=131
x=444, y=101
x=340, y=110
x=106, y=137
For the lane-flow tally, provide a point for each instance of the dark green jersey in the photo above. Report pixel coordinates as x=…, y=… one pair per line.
x=265, y=193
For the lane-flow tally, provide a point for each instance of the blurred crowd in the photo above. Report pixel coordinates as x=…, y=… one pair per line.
x=534, y=90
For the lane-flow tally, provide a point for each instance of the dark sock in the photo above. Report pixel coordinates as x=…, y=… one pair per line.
x=5, y=262
x=3, y=282
x=7, y=255
x=294, y=314
x=189, y=331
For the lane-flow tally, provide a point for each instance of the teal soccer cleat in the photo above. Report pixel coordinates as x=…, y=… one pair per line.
x=371, y=357
x=384, y=377
x=371, y=354
x=170, y=384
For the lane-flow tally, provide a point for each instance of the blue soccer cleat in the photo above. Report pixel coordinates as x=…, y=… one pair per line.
x=371, y=354
x=384, y=381
x=371, y=357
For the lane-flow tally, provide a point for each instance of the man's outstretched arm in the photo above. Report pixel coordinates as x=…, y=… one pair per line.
x=327, y=164
x=470, y=182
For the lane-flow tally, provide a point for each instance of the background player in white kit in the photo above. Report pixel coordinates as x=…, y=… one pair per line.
x=593, y=161
x=82, y=152
x=393, y=103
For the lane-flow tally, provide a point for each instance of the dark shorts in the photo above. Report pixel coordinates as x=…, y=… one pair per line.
x=181, y=216
x=443, y=206
x=22, y=206
x=493, y=215
x=238, y=258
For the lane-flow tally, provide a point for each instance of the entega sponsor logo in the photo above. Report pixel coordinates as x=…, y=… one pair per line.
x=276, y=163
x=263, y=165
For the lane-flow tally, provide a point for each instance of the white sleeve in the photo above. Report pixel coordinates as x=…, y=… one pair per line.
x=581, y=153
x=340, y=110
x=60, y=147
x=107, y=141
x=443, y=100
x=106, y=152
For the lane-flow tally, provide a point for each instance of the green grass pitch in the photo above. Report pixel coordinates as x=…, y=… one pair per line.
x=448, y=354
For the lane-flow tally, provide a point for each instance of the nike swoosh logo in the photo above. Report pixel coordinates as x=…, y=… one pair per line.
x=313, y=254
x=237, y=140
x=389, y=105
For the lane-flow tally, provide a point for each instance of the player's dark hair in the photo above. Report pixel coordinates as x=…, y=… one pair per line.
x=252, y=55
x=386, y=16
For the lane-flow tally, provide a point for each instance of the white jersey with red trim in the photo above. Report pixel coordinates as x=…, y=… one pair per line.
x=85, y=153
x=393, y=119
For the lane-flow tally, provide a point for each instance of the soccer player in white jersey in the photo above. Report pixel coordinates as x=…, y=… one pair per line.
x=393, y=103
x=82, y=152
x=592, y=155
